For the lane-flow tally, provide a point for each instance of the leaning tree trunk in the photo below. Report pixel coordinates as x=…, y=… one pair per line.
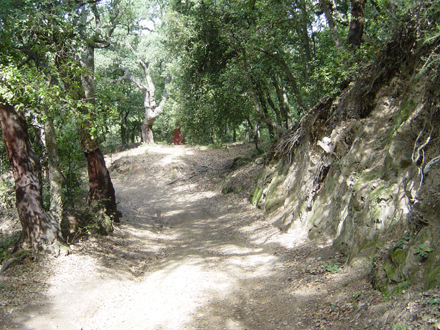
x=40, y=228
x=356, y=30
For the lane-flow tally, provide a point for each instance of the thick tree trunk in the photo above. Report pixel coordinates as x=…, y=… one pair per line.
x=101, y=192
x=357, y=23
x=147, y=132
x=40, y=228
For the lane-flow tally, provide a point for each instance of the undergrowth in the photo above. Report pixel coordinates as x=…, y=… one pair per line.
x=7, y=244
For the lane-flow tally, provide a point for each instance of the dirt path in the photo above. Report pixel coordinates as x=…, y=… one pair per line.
x=209, y=261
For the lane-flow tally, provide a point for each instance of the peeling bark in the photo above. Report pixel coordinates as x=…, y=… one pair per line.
x=147, y=132
x=40, y=228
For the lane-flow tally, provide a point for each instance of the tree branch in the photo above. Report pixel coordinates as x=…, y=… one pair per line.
x=165, y=96
x=290, y=77
x=254, y=97
x=128, y=76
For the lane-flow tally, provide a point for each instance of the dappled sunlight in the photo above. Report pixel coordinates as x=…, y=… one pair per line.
x=185, y=256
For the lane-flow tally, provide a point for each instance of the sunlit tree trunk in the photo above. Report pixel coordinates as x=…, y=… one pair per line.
x=40, y=228
x=152, y=110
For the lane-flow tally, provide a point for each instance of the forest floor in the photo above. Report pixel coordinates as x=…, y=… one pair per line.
x=187, y=256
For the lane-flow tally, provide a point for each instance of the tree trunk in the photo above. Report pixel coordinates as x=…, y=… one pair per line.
x=326, y=7
x=283, y=101
x=123, y=134
x=147, y=132
x=101, y=196
x=257, y=107
x=305, y=39
x=55, y=175
x=265, y=111
x=254, y=130
x=152, y=111
x=357, y=23
x=124, y=128
x=40, y=228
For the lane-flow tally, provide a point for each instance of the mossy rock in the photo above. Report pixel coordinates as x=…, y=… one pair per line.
x=398, y=256
x=273, y=203
x=432, y=278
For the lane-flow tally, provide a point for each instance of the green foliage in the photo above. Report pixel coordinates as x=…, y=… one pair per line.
x=332, y=267
x=435, y=301
x=401, y=243
x=72, y=163
x=356, y=295
x=7, y=243
x=423, y=252
x=7, y=193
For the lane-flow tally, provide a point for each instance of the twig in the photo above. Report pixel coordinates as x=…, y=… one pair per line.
x=174, y=181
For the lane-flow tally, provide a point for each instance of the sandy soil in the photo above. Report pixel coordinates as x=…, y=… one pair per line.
x=186, y=256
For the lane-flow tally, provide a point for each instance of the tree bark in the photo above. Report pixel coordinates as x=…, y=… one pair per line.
x=40, y=228
x=306, y=40
x=263, y=102
x=147, y=132
x=101, y=193
x=356, y=30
